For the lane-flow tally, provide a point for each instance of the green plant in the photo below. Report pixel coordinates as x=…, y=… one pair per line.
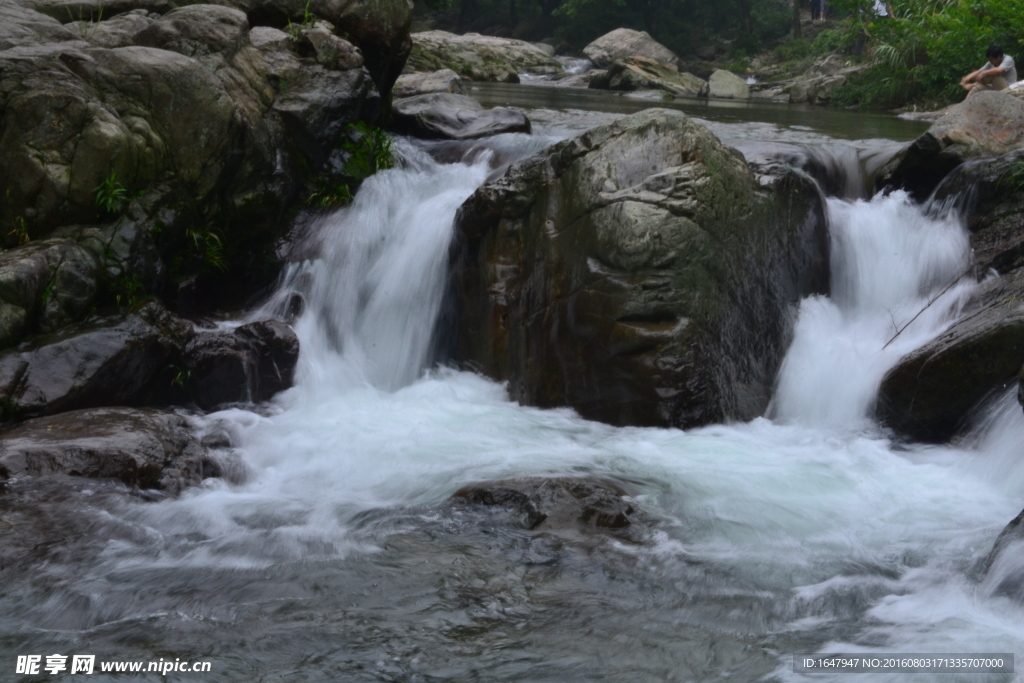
x=1012, y=178
x=367, y=150
x=792, y=49
x=127, y=291
x=308, y=19
x=20, y=230
x=208, y=247
x=181, y=376
x=110, y=194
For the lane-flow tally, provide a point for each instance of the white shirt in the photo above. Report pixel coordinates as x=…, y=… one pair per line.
x=1011, y=69
x=880, y=9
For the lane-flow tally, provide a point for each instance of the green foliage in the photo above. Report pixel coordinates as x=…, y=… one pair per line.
x=20, y=230
x=110, y=194
x=792, y=50
x=207, y=247
x=922, y=55
x=367, y=149
x=308, y=20
x=1012, y=179
x=127, y=291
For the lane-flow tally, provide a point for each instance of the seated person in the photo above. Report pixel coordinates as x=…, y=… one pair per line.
x=996, y=74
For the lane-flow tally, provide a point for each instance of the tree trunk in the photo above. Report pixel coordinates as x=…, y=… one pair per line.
x=796, y=19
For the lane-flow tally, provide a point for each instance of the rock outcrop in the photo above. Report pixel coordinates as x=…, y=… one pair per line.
x=624, y=43
x=146, y=448
x=454, y=117
x=479, y=58
x=637, y=273
x=985, y=124
x=641, y=73
x=930, y=394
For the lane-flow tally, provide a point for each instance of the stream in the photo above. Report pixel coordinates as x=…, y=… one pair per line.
x=332, y=554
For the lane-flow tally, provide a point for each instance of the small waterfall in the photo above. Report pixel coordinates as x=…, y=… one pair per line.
x=898, y=279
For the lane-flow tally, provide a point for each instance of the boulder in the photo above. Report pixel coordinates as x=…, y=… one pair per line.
x=445, y=80
x=103, y=362
x=1004, y=565
x=556, y=504
x=638, y=273
x=985, y=124
x=931, y=393
x=727, y=85
x=479, y=58
x=247, y=365
x=624, y=43
x=640, y=73
x=454, y=117
x=98, y=113
x=145, y=448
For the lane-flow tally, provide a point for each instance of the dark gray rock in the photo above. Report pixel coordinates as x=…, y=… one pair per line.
x=105, y=362
x=248, y=365
x=543, y=504
x=638, y=273
x=1004, y=565
x=454, y=117
x=330, y=50
x=142, y=447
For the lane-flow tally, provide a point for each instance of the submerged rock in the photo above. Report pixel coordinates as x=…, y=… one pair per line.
x=454, y=117
x=624, y=43
x=544, y=504
x=479, y=58
x=985, y=124
x=1004, y=565
x=637, y=273
x=141, y=447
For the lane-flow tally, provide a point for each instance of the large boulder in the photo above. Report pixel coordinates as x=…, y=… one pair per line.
x=479, y=58
x=623, y=43
x=986, y=124
x=931, y=393
x=454, y=117
x=187, y=111
x=1004, y=565
x=641, y=73
x=727, y=85
x=142, y=447
x=638, y=273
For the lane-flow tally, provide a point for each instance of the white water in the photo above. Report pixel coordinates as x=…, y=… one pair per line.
x=810, y=530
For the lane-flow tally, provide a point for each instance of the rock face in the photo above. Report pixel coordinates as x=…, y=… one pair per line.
x=641, y=73
x=932, y=391
x=623, y=43
x=454, y=117
x=637, y=273
x=479, y=58
x=1004, y=566
x=141, y=447
x=555, y=505
x=445, y=80
x=727, y=85
x=815, y=85
x=171, y=120
x=149, y=356
x=985, y=124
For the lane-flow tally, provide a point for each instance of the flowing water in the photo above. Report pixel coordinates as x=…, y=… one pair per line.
x=332, y=554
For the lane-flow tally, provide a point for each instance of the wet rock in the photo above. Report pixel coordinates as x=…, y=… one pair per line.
x=640, y=73
x=931, y=393
x=445, y=80
x=479, y=58
x=197, y=30
x=454, y=117
x=118, y=31
x=142, y=447
x=624, y=43
x=330, y=50
x=727, y=85
x=542, y=504
x=247, y=365
x=108, y=361
x=1004, y=565
x=985, y=124
x=638, y=273
x=815, y=86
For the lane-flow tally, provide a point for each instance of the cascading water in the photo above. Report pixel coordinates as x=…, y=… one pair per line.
x=336, y=558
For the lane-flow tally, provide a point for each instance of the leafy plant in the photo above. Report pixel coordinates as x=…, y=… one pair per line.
x=208, y=247
x=366, y=150
x=110, y=194
x=308, y=20
x=127, y=291
x=20, y=230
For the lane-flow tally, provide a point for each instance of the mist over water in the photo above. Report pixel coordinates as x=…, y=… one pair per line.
x=335, y=558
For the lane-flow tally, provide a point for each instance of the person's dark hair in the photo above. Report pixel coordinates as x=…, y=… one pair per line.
x=994, y=51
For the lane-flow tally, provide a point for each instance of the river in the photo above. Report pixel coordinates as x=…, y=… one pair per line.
x=332, y=554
